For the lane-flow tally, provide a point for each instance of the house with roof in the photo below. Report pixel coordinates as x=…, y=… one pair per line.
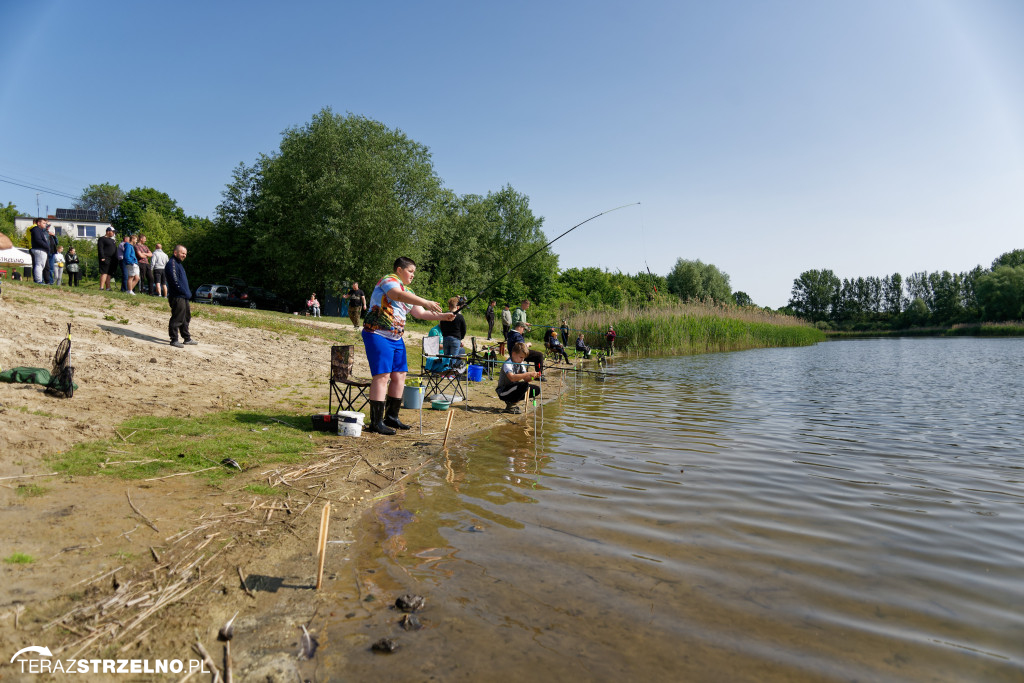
x=79, y=224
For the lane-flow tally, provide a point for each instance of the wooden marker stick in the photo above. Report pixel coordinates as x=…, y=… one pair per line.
x=321, y=546
x=447, y=426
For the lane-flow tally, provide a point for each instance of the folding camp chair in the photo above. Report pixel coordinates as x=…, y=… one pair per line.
x=352, y=394
x=485, y=356
x=442, y=374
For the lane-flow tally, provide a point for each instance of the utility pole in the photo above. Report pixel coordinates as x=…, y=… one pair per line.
x=37, y=204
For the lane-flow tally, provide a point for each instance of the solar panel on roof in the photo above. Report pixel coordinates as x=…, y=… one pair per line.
x=78, y=215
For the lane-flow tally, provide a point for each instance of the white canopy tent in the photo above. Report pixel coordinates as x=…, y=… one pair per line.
x=15, y=257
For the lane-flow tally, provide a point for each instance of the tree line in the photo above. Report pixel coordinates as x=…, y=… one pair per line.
x=991, y=294
x=343, y=195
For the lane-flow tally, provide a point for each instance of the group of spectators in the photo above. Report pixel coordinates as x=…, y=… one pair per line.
x=48, y=259
x=136, y=264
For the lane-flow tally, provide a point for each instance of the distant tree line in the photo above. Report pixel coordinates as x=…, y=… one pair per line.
x=939, y=298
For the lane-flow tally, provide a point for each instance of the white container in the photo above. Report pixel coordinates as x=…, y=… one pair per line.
x=350, y=423
x=350, y=429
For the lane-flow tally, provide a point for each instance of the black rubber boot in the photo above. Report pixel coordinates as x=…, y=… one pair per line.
x=391, y=413
x=377, y=425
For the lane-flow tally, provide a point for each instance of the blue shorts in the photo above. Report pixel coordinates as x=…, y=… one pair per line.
x=384, y=355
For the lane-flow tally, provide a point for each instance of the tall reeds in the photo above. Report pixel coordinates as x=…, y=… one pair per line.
x=690, y=328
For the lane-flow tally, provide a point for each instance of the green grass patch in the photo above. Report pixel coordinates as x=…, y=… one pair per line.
x=30, y=490
x=159, y=446
x=264, y=490
x=19, y=558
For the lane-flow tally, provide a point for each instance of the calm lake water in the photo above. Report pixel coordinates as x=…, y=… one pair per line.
x=848, y=511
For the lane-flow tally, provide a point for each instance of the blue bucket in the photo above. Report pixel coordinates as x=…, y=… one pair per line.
x=412, y=398
x=476, y=373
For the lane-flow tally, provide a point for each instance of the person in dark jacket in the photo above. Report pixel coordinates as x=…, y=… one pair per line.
x=40, y=249
x=489, y=317
x=565, y=332
x=74, y=268
x=515, y=336
x=552, y=343
x=106, y=249
x=454, y=331
x=50, y=276
x=178, y=296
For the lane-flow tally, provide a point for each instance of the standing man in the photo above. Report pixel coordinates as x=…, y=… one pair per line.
x=106, y=248
x=506, y=321
x=519, y=315
x=385, y=351
x=159, y=263
x=356, y=303
x=145, y=274
x=178, y=295
x=40, y=249
x=565, y=332
x=489, y=317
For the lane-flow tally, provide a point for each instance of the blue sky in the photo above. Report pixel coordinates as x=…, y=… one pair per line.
x=765, y=137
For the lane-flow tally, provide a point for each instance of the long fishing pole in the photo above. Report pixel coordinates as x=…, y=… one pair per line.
x=478, y=294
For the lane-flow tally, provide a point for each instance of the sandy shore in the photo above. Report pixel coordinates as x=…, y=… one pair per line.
x=140, y=568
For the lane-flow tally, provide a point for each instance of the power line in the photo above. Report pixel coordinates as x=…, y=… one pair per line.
x=36, y=188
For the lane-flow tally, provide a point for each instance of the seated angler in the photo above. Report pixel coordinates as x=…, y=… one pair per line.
x=515, y=336
x=514, y=379
x=551, y=341
x=581, y=346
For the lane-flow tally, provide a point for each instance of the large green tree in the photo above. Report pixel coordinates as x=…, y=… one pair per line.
x=128, y=217
x=815, y=295
x=1001, y=293
x=7, y=216
x=699, y=281
x=1011, y=258
x=103, y=198
x=340, y=200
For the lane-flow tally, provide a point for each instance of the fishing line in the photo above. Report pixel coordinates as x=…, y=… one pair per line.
x=478, y=294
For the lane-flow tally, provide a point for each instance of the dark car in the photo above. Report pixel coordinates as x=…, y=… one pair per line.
x=237, y=297
x=266, y=299
x=212, y=294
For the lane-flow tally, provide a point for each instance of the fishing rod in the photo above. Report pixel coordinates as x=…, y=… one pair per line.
x=478, y=294
x=654, y=282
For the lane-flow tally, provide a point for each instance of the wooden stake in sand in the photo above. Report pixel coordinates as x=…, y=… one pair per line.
x=447, y=427
x=321, y=546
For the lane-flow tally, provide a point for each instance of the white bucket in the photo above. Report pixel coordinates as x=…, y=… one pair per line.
x=350, y=429
x=350, y=423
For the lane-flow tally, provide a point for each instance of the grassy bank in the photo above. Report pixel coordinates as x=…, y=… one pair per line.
x=151, y=447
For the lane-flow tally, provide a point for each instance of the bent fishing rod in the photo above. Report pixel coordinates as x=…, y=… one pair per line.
x=478, y=294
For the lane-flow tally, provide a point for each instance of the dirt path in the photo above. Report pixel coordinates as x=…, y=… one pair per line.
x=85, y=533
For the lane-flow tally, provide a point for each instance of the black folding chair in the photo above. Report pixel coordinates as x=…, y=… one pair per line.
x=351, y=394
x=485, y=356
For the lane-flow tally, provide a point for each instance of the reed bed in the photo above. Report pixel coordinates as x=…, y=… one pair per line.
x=691, y=328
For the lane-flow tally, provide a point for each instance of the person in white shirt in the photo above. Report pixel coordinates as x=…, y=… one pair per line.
x=158, y=262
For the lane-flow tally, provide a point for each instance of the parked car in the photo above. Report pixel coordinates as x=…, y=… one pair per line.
x=238, y=297
x=212, y=294
x=266, y=299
